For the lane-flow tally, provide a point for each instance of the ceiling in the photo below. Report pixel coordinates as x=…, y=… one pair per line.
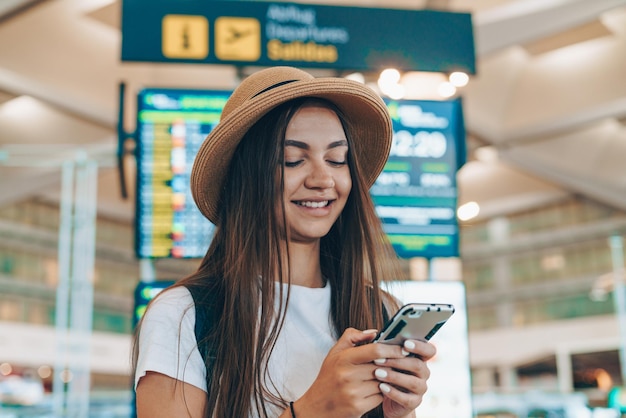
x=545, y=113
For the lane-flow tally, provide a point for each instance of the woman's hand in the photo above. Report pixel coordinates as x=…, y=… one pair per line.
x=404, y=378
x=356, y=377
x=345, y=386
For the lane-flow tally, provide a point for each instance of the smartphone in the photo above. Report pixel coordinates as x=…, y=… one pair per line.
x=415, y=321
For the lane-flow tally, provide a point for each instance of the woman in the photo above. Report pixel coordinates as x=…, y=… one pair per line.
x=277, y=318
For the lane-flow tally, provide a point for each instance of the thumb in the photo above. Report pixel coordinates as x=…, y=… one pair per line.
x=352, y=337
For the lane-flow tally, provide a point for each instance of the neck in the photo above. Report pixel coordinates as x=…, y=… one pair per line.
x=304, y=264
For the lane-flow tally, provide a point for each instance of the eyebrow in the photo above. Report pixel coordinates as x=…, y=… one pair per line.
x=305, y=146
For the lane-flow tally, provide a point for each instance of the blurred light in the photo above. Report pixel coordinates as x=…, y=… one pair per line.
x=23, y=108
x=388, y=82
x=44, y=372
x=468, y=211
x=446, y=89
x=598, y=295
x=390, y=75
x=553, y=262
x=356, y=77
x=395, y=91
x=458, y=79
x=603, y=380
x=5, y=369
x=601, y=288
x=66, y=376
x=421, y=85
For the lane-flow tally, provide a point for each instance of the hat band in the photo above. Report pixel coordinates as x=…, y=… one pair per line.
x=282, y=83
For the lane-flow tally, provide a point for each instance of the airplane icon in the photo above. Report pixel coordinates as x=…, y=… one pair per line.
x=236, y=35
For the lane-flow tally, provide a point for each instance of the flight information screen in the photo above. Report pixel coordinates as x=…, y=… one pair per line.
x=171, y=126
x=415, y=195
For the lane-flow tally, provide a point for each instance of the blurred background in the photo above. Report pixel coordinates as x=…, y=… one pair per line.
x=540, y=255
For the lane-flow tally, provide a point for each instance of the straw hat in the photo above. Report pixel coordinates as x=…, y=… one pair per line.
x=264, y=90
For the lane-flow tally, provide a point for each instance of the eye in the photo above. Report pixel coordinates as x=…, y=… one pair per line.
x=292, y=163
x=337, y=163
x=337, y=158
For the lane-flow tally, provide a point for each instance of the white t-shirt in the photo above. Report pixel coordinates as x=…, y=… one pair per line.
x=167, y=342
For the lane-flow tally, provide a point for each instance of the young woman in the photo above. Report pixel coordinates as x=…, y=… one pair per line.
x=276, y=321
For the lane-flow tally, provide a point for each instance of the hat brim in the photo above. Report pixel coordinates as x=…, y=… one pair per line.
x=363, y=108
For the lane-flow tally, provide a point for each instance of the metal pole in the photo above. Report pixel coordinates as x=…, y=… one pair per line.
x=74, y=302
x=617, y=257
x=82, y=288
x=63, y=295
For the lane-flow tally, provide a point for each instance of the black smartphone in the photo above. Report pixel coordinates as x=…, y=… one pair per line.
x=415, y=321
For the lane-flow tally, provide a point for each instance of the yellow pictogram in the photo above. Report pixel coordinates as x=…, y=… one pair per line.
x=237, y=39
x=185, y=36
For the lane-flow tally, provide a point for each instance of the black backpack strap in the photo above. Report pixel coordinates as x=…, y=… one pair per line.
x=385, y=313
x=382, y=303
x=206, y=319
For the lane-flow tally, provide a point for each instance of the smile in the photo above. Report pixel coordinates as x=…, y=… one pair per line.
x=311, y=204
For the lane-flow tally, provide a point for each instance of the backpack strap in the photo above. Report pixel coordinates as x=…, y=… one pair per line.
x=382, y=305
x=385, y=313
x=206, y=306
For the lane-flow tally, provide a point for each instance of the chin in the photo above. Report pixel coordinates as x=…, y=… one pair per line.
x=308, y=236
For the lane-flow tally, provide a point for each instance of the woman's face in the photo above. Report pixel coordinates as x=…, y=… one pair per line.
x=317, y=177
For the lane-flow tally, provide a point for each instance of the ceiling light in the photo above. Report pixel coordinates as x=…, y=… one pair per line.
x=458, y=79
x=421, y=85
x=446, y=89
x=468, y=211
x=388, y=81
x=390, y=75
x=395, y=91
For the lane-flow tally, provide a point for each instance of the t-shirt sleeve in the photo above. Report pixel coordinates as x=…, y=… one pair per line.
x=167, y=341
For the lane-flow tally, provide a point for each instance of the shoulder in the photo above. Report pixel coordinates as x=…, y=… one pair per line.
x=171, y=305
x=173, y=294
x=166, y=340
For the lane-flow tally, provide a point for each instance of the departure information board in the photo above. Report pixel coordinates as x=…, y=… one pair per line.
x=415, y=195
x=171, y=126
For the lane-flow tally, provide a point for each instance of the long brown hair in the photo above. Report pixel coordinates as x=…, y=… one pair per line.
x=244, y=261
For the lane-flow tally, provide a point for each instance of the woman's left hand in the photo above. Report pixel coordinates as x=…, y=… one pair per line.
x=403, y=379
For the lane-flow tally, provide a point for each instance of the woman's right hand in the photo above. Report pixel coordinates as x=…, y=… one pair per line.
x=345, y=385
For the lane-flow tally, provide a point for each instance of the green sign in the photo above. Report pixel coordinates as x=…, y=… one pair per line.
x=303, y=35
x=617, y=399
x=144, y=293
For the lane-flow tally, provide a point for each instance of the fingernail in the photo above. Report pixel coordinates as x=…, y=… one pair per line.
x=384, y=387
x=380, y=373
x=409, y=345
x=380, y=361
x=370, y=331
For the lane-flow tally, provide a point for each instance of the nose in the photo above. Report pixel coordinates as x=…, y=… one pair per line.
x=319, y=177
